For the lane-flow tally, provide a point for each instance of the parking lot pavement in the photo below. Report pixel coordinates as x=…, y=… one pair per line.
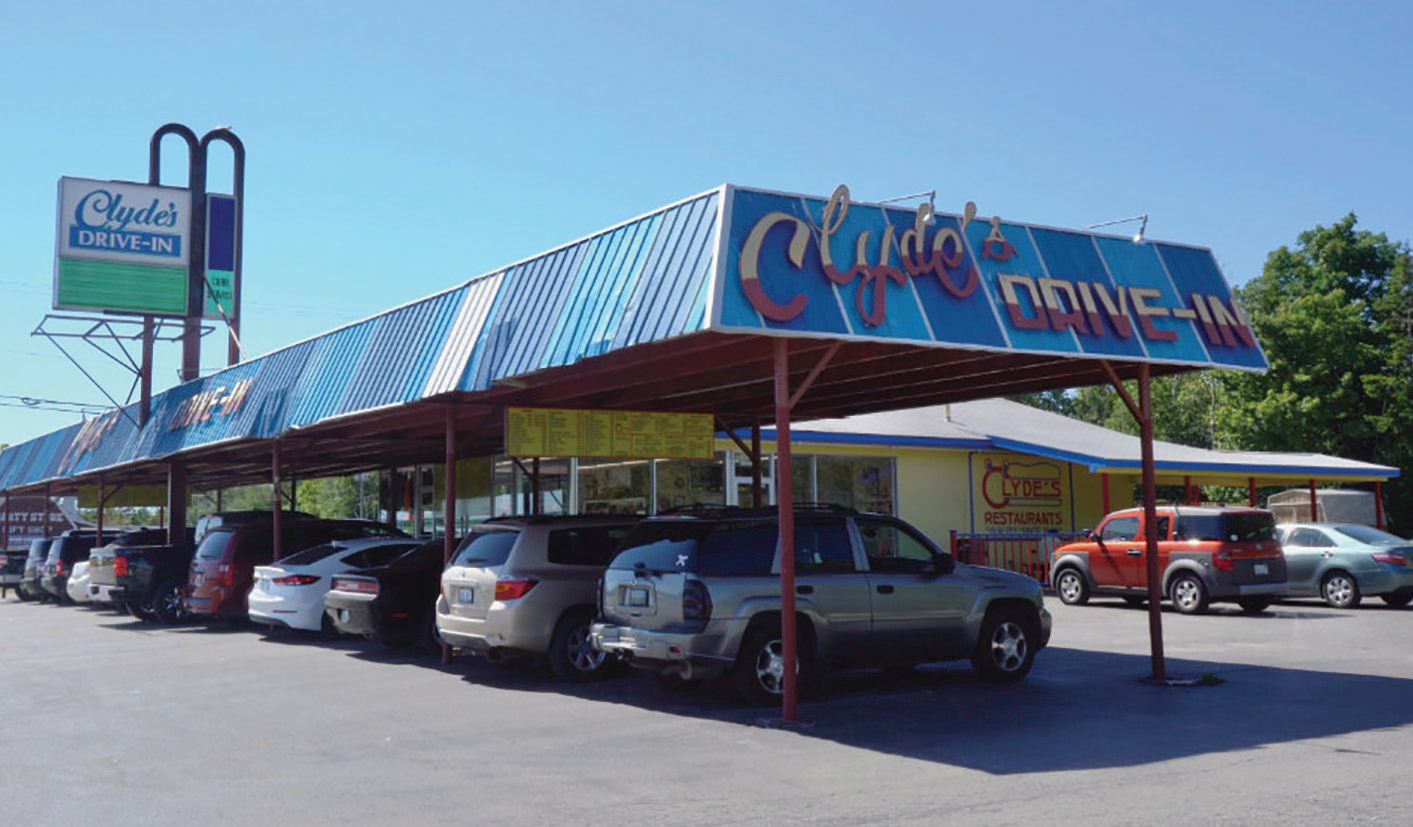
x=1304, y=716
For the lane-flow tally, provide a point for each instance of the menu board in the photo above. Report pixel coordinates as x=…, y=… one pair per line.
x=565, y=432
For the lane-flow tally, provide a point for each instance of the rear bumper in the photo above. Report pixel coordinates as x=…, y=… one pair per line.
x=100, y=593
x=497, y=630
x=220, y=601
x=277, y=611
x=10, y=580
x=353, y=614
x=670, y=652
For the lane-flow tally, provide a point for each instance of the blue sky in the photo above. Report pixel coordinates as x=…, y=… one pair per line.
x=396, y=150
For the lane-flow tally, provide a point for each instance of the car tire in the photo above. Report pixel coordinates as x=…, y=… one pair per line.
x=1397, y=600
x=167, y=607
x=1071, y=587
x=1340, y=590
x=1254, y=605
x=759, y=673
x=572, y=656
x=141, y=611
x=1188, y=595
x=1005, y=650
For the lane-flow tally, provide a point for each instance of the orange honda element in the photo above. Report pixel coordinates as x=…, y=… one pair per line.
x=223, y=569
x=1205, y=554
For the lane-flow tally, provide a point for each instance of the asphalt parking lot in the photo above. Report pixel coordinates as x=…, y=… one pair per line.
x=1303, y=715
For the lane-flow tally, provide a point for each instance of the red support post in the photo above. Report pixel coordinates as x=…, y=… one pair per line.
x=98, y=532
x=1150, y=522
x=1251, y=491
x=5, y=541
x=1104, y=487
x=1379, y=504
x=1314, y=504
x=757, y=492
x=275, y=483
x=1187, y=490
x=784, y=497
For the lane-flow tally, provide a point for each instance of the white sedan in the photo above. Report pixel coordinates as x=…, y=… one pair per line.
x=290, y=593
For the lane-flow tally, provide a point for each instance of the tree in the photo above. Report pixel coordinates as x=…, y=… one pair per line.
x=1335, y=318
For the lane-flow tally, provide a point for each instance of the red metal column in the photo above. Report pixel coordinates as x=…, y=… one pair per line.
x=1251, y=491
x=48, y=504
x=784, y=497
x=1104, y=487
x=1150, y=520
x=1187, y=490
x=275, y=508
x=1379, y=504
x=5, y=541
x=449, y=528
x=1314, y=504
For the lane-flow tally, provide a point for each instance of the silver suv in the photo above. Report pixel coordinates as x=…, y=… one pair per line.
x=525, y=586
x=697, y=596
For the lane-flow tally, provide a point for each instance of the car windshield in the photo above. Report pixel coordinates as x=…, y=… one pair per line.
x=486, y=547
x=1369, y=535
x=39, y=549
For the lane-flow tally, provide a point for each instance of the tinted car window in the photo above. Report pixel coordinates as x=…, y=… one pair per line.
x=668, y=545
x=593, y=546
x=379, y=555
x=823, y=547
x=485, y=548
x=738, y=549
x=1119, y=529
x=1372, y=536
x=312, y=555
x=213, y=545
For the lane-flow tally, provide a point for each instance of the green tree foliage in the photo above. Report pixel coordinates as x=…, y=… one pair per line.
x=1335, y=317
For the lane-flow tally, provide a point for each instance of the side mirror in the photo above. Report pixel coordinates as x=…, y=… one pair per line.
x=942, y=564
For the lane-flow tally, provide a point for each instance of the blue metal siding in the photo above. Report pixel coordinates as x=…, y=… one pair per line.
x=676, y=273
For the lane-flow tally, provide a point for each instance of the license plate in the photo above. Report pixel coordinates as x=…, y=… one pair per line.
x=343, y=615
x=198, y=579
x=466, y=596
x=635, y=598
x=264, y=585
x=1262, y=568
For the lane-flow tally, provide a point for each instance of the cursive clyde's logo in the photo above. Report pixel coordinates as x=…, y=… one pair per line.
x=103, y=209
x=943, y=256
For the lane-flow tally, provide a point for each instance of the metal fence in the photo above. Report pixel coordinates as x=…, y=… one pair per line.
x=1025, y=553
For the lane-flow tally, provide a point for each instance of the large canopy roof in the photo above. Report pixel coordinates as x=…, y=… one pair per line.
x=678, y=311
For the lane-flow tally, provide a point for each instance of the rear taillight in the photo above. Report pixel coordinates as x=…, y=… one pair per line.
x=120, y=566
x=4, y=559
x=343, y=584
x=512, y=589
x=59, y=569
x=1390, y=557
x=696, y=601
x=1222, y=560
x=296, y=580
x=225, y=574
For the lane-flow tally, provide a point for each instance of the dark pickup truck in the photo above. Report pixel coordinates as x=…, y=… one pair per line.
x=142, y=576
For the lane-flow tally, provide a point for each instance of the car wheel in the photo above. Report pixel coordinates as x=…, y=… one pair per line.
x=759, y=673
x=1340, y=590
x=167, y=607
x=327, y=627
x=1254, y=605
x=1006, y=649
x=572, y=656
x=141, y=611
x=1398, y=600
x=1070, y=586
x=1187, y=594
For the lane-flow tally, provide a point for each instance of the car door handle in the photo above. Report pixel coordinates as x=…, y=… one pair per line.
x=1135, y=552
x=804, y=590
x=885, y=589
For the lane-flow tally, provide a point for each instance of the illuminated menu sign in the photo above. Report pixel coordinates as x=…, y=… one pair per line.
x=565, y=432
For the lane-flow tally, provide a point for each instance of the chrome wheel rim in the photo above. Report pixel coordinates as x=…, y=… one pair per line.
x=1069, y=587
x=770, y=667
x=1009, y=646
x=1186, y=593
x=582, y=654
x=1339, y=590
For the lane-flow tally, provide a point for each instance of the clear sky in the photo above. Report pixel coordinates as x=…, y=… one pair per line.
x=398, y=149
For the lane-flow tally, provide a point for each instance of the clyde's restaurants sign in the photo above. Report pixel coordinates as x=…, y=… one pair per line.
x=830, y=266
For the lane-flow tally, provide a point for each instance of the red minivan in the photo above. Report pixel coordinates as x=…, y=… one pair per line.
x=1205, y=554
x=222, y=571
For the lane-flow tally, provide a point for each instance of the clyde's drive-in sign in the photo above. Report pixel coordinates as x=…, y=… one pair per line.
x=122, y=246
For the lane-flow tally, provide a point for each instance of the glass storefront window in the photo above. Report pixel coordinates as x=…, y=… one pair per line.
x=614, y=486
x=862, y=483
x=682, y=483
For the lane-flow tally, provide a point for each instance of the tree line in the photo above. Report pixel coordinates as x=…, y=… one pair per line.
x=1334, y=315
